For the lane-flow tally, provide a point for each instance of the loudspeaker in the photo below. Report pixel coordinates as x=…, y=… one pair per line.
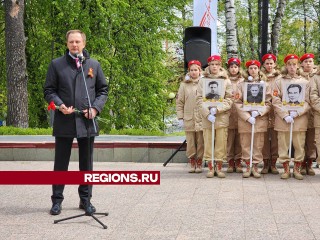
x=197, y=45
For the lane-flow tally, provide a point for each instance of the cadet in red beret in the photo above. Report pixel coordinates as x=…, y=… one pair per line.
x=215, y=115
x=290, y=57
x=194, y=62
x=253, y=62
x=248, y=118
x=270, y=148
x=233, y=142
x=189, y=117
x=315, y=103
x=284, y=117
x=308, y=70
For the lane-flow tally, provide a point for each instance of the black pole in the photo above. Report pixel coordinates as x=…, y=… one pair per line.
x=264, y=27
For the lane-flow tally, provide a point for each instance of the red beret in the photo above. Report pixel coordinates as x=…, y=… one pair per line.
x=269, y=56
x=234, y=60
x=214, y=58
x=253, y=62
x=194, y=62
x=305, y=56
x=290, y=56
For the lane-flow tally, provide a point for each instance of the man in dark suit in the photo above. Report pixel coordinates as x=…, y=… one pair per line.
x=294, y=91
x=65, y=87
x=214, y=90
x=254, y=94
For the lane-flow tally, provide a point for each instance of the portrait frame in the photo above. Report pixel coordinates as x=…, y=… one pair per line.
x=293, y=96
x=248, y=104
x=207, y=99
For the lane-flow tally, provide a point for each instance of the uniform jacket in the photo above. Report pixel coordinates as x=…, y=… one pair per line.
x=233, y=119
x=309, y=76
x=261, y=124
x=300, y=122
x=64, y=84
x=315, y=97
x=271, y=79
x=223, y=112
x=186, y=105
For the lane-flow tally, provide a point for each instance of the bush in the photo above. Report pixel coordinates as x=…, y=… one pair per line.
x=6, y=130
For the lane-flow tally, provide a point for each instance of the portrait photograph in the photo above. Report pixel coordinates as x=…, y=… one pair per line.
x=293, y=95
x=254, y=96
x=213, y=91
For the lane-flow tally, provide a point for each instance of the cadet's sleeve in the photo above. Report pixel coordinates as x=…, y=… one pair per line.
x=244, y=115
x=180, y=102
x=314, y=95
x=204, y=111
x=277, y=100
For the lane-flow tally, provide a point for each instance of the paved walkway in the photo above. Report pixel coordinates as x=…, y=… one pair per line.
x=184, y=206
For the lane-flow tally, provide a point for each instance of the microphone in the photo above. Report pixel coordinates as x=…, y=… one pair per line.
x=250, y=78
x=80, y=56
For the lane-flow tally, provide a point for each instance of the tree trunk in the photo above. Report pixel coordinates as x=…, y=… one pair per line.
x=319, y=31
x=305, y=44
x=16, y=64
x=251, y=29
x=276, y=26
x=231, y=30
x=259, y=26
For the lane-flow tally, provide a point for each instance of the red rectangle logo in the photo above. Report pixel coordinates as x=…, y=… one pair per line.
x=80, y=177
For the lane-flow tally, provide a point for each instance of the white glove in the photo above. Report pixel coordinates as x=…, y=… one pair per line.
x=213, y=111
x=293, y=114
x=288, y=119
x=211, y=118
x=180, y=124
x=255, y=114
x=252, y=120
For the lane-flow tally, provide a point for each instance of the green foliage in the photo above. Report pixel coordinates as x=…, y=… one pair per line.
x=126, y=37
x=7, y=130
x=137, y=132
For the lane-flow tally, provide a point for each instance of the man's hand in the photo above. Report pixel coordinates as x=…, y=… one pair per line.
x=252, y=120
x=289, y=119
x=211, y=118
x=66, y=110
x=92, y=113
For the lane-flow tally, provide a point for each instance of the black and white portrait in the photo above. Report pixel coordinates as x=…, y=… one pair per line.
x=213, y=88
x=254, y=96
x=255, y=93
x=213, y=91
x=294, y=93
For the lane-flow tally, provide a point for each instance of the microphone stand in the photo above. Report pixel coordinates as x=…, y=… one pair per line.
x=90, y=160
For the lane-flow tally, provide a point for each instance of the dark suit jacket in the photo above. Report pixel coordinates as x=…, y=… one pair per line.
x=64, y=84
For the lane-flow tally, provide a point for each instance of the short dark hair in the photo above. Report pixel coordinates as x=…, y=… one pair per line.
x=293, y=86
x=213, y=82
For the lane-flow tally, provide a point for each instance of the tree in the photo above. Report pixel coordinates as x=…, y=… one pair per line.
x=17, y=94
x=276, y=26
x=231, y=29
